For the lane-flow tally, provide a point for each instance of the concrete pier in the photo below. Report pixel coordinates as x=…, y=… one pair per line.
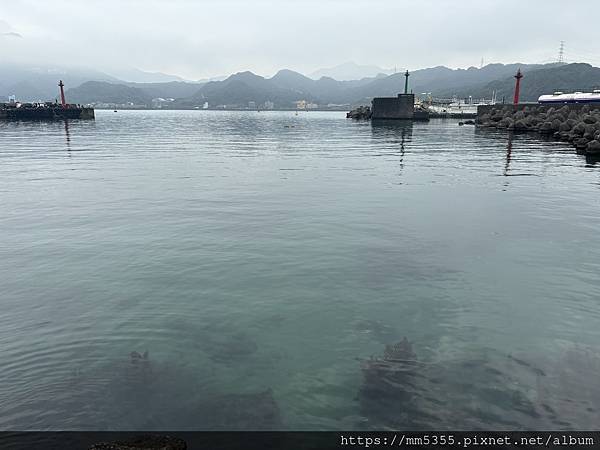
x=11, y=112
x=401, y=107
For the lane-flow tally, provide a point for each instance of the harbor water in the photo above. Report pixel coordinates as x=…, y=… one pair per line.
x=260, y=258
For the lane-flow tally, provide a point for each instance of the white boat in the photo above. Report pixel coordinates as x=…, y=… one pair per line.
x=458, y=108
x=575, y=97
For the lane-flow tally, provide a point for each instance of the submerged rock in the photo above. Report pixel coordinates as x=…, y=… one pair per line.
x=237, y=412
x=137, y=357
x=230, y=347
x=388, y=384
x=402, y=351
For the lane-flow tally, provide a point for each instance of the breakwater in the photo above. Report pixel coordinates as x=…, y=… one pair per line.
x=44, y=112
x=578, y=123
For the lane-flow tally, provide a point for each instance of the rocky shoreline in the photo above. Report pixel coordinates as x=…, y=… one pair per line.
x=577, y=124
x=360, y=113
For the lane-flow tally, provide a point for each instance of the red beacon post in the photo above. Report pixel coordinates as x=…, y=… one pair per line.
x=518, y=77
x=62, y=94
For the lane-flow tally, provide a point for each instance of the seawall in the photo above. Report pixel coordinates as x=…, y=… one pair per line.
x=577, y=123
x=46, y=113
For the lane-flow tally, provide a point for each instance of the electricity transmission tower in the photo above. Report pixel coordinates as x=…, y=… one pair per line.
x=561, y=52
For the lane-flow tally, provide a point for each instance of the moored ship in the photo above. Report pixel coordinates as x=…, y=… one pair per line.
x=576, y=97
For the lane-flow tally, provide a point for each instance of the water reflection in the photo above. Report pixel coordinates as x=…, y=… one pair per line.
x=396, y=133
x=508, y=153
x=238, y=281
x=68, y=136
x=591, y=160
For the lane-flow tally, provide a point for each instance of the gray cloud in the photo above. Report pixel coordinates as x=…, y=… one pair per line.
x=198, y=39
x=12, y=34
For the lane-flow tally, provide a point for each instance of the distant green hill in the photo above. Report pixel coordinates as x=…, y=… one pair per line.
x=287, y=87
x=567, y=78
x=103, y=92
x=169, y=89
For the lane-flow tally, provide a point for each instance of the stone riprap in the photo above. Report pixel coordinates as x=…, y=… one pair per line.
x=578, y=124
x=360, y=113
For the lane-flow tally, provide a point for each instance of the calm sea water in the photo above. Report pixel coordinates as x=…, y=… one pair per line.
x=261, y=258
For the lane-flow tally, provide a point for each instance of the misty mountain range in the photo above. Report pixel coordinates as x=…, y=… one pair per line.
x=287, y=87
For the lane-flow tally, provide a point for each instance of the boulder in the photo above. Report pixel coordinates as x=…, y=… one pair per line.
x=483, y=118
x=360, y=113
x=520, y=125
x=579, y=129
x=556, y=123
x=589, y=119
x=593, y=147
x=546, y=128
x=581, y=145
x=564, y=136
x=564, y=127
x=590, y=128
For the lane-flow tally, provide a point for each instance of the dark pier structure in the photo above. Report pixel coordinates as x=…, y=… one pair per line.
x=45, y=111
x=401, y=107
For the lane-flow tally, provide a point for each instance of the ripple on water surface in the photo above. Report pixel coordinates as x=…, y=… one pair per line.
x=262, y=258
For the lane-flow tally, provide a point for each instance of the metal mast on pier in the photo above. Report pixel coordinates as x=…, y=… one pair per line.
x=518, y=77
x=62, y=94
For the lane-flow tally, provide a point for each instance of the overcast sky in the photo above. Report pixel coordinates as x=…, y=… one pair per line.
x=197, y=39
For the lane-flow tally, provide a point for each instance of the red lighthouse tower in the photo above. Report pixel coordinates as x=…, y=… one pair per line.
x=62, y=94
x=518, y=76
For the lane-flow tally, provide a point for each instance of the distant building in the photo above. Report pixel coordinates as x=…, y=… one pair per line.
x=269, y=105
x=301, y=104
x=159, y=102
x=251, y=105
x=205, y=106
x=12, y=99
